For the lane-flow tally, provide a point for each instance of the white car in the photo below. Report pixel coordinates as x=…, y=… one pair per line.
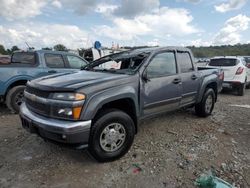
x=236, y=72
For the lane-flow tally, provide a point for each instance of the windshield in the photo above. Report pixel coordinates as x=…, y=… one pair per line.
x=122, y=63
x=224, y=62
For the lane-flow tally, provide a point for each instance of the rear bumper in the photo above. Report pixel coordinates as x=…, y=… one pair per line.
x=231, y=84
x=67, y=132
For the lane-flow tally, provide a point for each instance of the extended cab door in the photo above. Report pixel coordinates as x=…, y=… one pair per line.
x=189, y=77
x=161, y=90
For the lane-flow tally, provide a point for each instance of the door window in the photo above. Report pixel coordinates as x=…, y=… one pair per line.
x=54, y=61
x=75, y=62
x=23, y=58
x=185, y=62
x=163, y=64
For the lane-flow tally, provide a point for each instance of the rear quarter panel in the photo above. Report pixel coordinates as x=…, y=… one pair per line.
x=207, y=77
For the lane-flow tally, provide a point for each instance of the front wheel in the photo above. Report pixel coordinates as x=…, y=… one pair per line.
x=206, y=106
x=14, y=98
x=111, y=136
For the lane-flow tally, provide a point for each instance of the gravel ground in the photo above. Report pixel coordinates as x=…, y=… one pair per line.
x=171, y=150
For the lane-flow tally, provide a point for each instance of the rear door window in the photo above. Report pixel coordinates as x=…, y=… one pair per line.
x=54, y=61
x=75, y=62
x=223, y=62
x=185, y=62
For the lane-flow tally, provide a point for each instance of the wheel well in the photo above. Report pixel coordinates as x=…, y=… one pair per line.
x=126, y=105
x=17, y=83
x=213, y=86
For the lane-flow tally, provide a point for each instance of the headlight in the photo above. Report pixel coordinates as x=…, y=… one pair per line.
x=72, y=113
x=66, y=112
x=68, y=96
x=67, y=106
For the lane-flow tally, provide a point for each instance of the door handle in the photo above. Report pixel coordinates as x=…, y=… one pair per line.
x=194, y=77
x=52, y=71
x=177, y=81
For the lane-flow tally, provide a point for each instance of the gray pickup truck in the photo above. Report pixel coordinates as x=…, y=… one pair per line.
x=101, y=106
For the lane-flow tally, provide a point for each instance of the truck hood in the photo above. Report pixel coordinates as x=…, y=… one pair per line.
x=75, y=80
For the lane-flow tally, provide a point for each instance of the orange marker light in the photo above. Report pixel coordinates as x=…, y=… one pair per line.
x=77, y=112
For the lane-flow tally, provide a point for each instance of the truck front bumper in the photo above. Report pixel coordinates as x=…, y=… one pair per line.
x=68, y=132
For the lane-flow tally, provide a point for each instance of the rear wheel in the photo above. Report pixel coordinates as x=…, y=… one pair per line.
x=14, y=98
x=111, y=136
x=206, y=106
x=248, y=85
x=241, y=89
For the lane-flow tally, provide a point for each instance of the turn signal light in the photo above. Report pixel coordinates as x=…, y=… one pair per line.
x=77, y=112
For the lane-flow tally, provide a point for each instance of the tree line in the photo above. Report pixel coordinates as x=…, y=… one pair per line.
x=199, y=52
x=225, y=50
x=4, y=51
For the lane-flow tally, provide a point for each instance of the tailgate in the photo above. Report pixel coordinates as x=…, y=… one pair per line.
x=229, y=72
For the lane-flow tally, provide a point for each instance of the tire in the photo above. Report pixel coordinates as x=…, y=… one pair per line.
x=248, y=86
x=241, y=89
x=202, y=109
x=14, y=98
x=104, y=122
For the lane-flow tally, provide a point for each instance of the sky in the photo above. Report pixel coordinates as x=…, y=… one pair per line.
x=79, y=23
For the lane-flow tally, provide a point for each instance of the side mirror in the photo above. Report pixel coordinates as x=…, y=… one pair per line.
x=145, y=76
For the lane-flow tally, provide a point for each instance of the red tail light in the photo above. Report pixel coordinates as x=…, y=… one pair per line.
x=239, y=71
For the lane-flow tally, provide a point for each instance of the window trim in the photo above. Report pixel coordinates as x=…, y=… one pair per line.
x=192, y=63
x=45, y=54
x=162, y=52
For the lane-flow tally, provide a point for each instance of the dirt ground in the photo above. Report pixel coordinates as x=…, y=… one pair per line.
x=169, y=151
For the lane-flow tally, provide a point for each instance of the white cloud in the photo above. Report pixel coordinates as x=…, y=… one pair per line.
x=105, y=8
x=80, y=7
x=132, y=8
x=56, y=4
x=199, y=42
x=23, y=9
x=123, y=29
x=16, y=9
x=193, y=1
x=154, y=42
x=43, y=35
x=165, y=21
x=230, y=5
x=231, y=32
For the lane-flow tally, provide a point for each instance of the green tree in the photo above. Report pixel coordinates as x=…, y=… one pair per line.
x=46, y=48
x=60, y=47
x=14, y=48
x=2, y=50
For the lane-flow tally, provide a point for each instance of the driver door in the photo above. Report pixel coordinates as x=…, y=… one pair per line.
x=161, y=91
